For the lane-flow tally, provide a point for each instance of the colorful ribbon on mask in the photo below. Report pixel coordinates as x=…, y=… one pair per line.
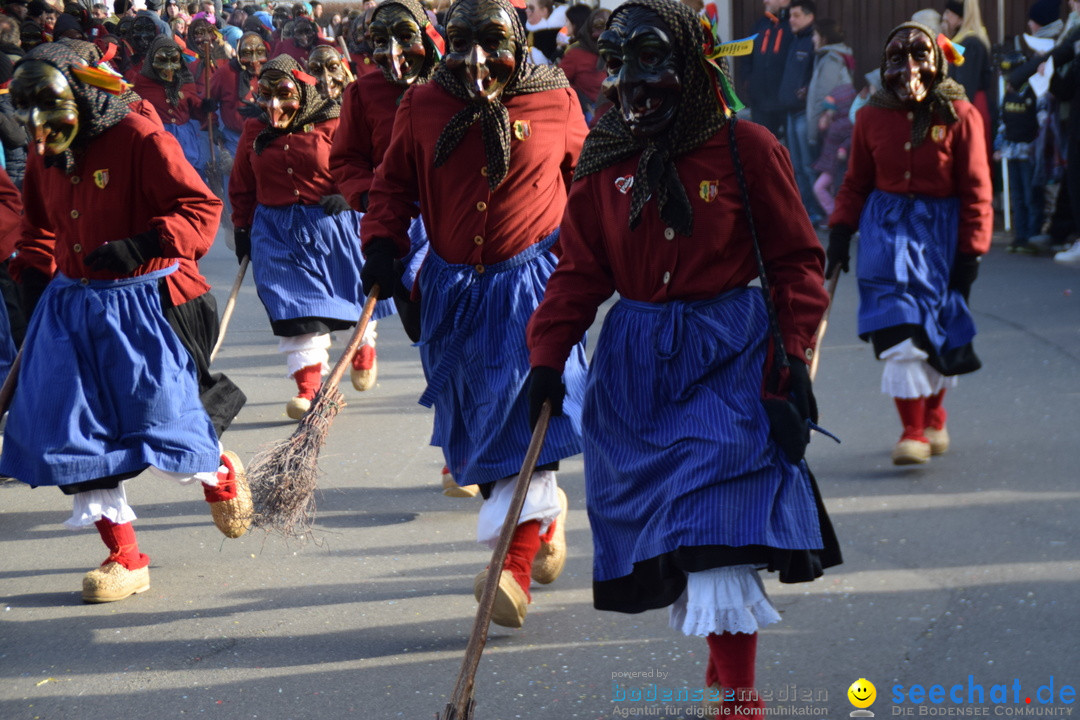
x=713, y=52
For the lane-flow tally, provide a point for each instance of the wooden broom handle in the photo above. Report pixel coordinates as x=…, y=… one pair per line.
x=820, y=334
x=461, y=699
x=354, y=342
x=230, y=306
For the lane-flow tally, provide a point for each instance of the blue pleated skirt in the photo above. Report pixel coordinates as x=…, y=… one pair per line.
x=418, y=250
x=105, y=388
x=907, y=245
x=677, y=445
x=476, y=363
x=193, y=141
x=7, y=344
x=306, y=264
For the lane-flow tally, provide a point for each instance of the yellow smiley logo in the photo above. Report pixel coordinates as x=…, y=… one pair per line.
x=862, y=693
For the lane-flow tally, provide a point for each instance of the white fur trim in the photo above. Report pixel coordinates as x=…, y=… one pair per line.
x=541, y=503
x=302, y=351
x=89, y=507
x=907, y=375
x=724, y=599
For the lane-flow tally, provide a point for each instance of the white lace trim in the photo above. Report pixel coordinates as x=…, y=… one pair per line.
x=89, y=507
x=725, y=599
x=908, y=376
x=303, y=351
x=541, y=503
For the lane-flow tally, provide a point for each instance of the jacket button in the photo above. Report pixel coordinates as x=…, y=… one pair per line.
x=667, y=278
x=478, y=240
x=75, y=214
x=77, y=247
x=479, y=269
x=669, y=234
x=483, y=171
x=481, y=206
x=75, y=179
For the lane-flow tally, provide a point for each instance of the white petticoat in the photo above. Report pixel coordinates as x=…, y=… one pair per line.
x=907, y=375
x=541, y=503
x=725, y=599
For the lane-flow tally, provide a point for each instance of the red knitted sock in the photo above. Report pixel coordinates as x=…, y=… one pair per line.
x=935, y=411
x=732, y=657
x=123, y=548
x=523, y=548
x=308, y=379
x=913, y=416
x=226, y=487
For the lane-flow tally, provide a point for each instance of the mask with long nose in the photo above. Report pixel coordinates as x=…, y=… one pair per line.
x=481, y=48
x=330, y=73
x=643, y=79
x=397, y=44
x=251, y=54
x=279, y=96
x=910, y=66
x=166, y=63
x=45, y=105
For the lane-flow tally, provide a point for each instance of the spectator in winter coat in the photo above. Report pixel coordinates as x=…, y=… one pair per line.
x=832, y=66
x=760, y=72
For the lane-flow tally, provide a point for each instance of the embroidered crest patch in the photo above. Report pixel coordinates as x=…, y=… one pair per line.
x=709, y=189
x=937, y=133
x=522, y=129
x=101, y=178
x=624, y=183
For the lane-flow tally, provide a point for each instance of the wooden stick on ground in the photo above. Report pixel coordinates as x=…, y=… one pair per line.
x=461, y=702
x=820, y=335
x=230, y=305
x=283, y=477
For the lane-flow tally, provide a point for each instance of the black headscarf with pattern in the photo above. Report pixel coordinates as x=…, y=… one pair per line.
x=98, y=110
x=91, y=53
x=314, y=108
x=940, y=95
x=493, y=115
x=416, y=10
x=180, y=78
x=697, y=118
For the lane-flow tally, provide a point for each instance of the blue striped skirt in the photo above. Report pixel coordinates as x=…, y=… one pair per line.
x=105, y=388
x=7, y=344
x=418, y=250
x=677, y=447
x=193, y=141
x=306, y=264
x=476, y=363
x=906, y=250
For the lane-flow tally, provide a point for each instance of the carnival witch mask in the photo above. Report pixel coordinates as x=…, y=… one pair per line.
x=643, y=79
x=167, y=62
x=45, y=104
x=143, y=32
x=397, y=44
x=909, y=69
x=331, y=74
x=279, y=97
x=304, y=33
x=481, y=48
x=251, y=53
x=280, y=17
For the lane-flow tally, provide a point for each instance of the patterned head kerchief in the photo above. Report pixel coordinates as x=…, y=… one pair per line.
x=697, y=118
x=98, y=110
x=493, y=116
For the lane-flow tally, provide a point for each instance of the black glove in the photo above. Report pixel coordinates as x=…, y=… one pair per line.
x=964, y=271
x=123, y=256
x=379, y=268
x=242, y=243
x=248, y=109
x=334, y=204
x=32, y=284
x=209, y=105
x=801, y=391
x=838, y=254
x=545, y=384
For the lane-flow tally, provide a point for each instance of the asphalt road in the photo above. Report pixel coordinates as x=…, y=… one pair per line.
x=962, y=573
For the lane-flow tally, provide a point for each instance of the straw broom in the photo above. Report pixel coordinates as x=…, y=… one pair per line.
x=461, y=703
x=283, y=477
